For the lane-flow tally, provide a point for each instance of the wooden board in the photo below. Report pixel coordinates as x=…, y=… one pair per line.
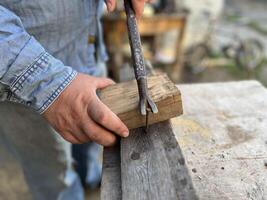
x=111, y=176
x=123, y=100
x=153, y=167
x=223, y=137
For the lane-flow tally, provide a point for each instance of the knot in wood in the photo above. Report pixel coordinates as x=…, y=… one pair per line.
x=135, y=156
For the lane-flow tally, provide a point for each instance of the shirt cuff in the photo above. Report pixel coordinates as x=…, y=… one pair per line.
x=42, y=81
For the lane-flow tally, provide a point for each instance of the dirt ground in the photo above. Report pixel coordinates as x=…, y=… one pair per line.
x=12, y=184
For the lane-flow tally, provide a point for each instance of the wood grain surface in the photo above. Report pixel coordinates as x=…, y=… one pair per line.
x=223, y=137
x=123, y=100
x=153, y=167
x=111, y=176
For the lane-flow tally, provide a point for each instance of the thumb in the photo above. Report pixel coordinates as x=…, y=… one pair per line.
x=138, y=6
x=111, y=4
x=104, y=82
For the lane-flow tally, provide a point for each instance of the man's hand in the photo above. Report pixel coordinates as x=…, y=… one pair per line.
x=79, y=116
x=138, y=6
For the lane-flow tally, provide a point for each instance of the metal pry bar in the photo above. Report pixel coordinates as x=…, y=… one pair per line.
x=138, y=60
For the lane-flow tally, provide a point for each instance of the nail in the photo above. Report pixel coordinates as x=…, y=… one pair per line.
x=125, y=133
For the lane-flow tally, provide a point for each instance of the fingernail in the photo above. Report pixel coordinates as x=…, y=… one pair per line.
x=125, y=133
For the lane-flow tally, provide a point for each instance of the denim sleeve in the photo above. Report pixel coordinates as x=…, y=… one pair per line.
x=28, y=74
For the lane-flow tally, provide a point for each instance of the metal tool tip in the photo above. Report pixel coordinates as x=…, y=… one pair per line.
x=143, y=107
x=152, y=105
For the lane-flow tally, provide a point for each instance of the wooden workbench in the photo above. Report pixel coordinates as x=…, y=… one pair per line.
x=222, y=136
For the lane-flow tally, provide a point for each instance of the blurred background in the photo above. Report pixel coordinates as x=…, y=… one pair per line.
x=191, y=40
x=194, y=41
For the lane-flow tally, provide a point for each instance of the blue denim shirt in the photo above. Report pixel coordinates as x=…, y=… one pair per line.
x=43, y=43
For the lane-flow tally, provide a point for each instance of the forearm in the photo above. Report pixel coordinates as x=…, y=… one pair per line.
x=28, y=74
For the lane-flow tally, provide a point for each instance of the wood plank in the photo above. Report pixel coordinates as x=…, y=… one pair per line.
x=222, y=134
x=111, y=174
x=153, y=167
x=123, y=100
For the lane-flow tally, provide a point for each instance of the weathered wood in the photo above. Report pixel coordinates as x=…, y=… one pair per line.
x=123, y=100
x=153, y=167
x=222, y=134
x=111, y=174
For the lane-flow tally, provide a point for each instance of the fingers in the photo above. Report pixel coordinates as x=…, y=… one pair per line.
x=76, y=137
x=71, y=127
x=101, y=114
x=138, y=6
x=111, y=4
x=70, y=138
x=98, y=134
x=81, y=136
x=103, y=82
